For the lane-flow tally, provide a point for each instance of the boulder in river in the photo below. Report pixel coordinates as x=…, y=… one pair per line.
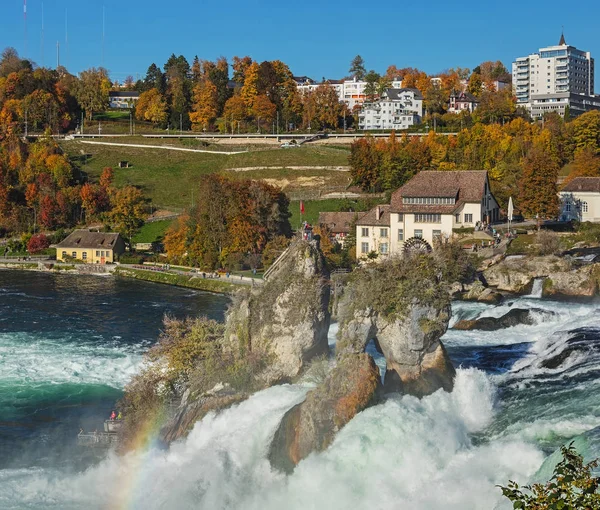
x=311, y=426
x=514, y=317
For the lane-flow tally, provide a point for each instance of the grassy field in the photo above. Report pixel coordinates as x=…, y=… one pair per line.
x=169, y=178
x=152, y=232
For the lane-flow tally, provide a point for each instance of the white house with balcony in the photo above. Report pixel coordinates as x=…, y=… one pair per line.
x=580, y=200
x=395, y=109
x=351, y=92
x=429, y=206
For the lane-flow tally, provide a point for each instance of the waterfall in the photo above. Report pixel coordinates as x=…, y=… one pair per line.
x=536, y=290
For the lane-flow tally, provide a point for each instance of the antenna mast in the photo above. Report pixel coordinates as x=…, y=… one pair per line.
x=42, y=44
x=103, y=36
x=25, y=25
x=67, y=35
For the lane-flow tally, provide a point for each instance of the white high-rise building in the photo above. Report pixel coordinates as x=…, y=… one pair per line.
x=554, y=78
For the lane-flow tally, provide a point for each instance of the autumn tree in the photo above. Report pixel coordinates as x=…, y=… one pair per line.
x=538, y=187
x=230, y=220
x=128, y=211
x=263, y=110
x=475, y=84
x=235, y=110
x=106, y=177
x=151, y=107
x=240, y=65
x=585, y=164
x=37, y=243
x=91, y=90
x=204, y=105
x=585, y=131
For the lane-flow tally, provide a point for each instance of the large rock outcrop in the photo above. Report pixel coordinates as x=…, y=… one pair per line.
x=311, y=426
x=514, y=317
x=406, y=309
x=561, y=278
x=287, y=317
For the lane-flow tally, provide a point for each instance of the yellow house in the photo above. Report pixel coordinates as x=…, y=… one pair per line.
x=90, y=247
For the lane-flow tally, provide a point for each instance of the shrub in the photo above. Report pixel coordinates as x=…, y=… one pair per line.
x=190, y=354
x=132, y=258
x=273, y=249
x=37, y=243
x=571, y=487
x=547, y=243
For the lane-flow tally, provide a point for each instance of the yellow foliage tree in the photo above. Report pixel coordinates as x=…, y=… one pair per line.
x=152, y=107
x=204, y=105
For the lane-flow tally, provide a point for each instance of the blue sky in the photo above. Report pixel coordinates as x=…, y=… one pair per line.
x=315, y=38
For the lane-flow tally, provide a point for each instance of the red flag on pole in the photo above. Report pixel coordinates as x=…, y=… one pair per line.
x=301, y=207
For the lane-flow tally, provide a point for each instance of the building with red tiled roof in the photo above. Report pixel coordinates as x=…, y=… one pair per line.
x=431, y=205
x=580, y=200
x=338, y=223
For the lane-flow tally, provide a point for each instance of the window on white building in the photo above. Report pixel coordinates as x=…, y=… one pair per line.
x=364, y=247
x=365, y=232
x=457, y=218
x=400, y=234
x=437, y=233
x=428, y=218
x=468, y=218
x=383, y=248
x=383, y=232
x=419, y=234
x=400, y=217
x=84, y=255
x=584, y=207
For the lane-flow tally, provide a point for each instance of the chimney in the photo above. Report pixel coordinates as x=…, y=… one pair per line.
x=378, y=213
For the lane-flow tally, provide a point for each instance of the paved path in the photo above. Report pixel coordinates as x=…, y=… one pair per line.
x=234, y=279
x=143, y=146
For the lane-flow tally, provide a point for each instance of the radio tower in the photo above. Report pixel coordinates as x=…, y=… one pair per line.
x=25, y=25
x=42, y=44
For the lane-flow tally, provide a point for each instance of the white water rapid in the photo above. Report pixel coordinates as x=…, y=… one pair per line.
x=534, y=387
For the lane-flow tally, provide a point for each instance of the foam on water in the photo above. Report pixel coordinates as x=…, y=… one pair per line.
x=28, y=359
x=403, y=452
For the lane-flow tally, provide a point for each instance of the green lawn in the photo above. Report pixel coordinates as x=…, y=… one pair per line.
x=520, y=245
x=152, y=232
x=169, y=178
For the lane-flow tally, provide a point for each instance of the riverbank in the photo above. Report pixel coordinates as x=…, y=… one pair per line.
x=196, y=282
x=180, y=279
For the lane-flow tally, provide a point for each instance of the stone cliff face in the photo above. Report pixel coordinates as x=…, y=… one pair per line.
x=288, y=316
x=417, y=362
x=311, y=426
x=561, y=278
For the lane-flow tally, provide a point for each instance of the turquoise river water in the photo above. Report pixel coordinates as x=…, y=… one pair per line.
x=68, y=346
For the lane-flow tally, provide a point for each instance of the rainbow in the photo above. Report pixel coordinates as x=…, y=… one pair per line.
x=135, y=473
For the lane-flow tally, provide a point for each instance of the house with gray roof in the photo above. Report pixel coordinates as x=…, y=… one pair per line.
x=90, y=247
x=395, y=109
